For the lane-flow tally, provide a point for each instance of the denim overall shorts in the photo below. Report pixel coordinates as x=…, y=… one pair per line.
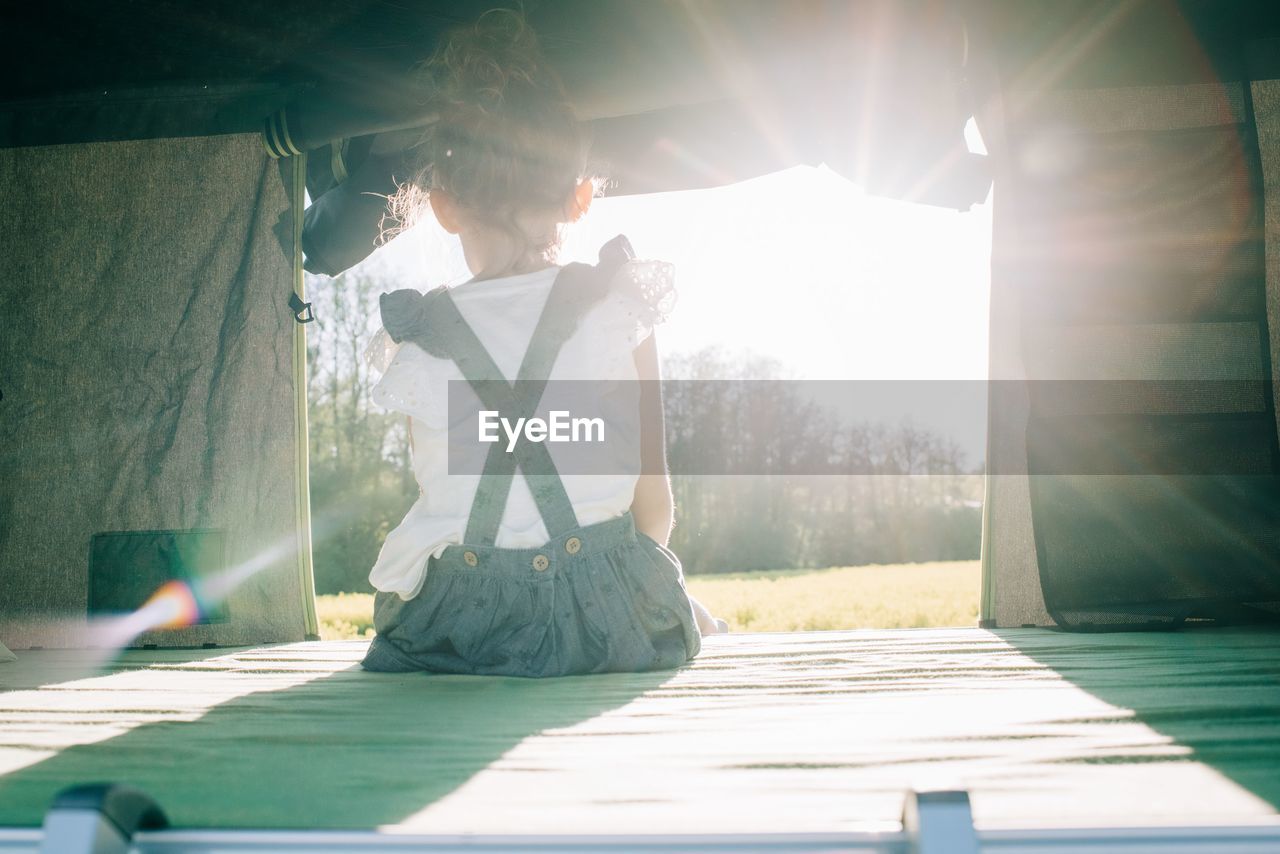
x=593, y=599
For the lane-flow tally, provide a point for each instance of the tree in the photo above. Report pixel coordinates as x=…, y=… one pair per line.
x=361, y=476
x=746, y=445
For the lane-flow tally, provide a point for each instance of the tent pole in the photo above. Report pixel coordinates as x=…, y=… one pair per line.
x=306, y=578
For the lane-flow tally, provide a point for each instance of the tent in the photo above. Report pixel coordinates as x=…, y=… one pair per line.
x=170, y=169
x=1132, y=435
x=155, y=238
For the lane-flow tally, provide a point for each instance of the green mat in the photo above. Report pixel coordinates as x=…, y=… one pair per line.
x=763, y=732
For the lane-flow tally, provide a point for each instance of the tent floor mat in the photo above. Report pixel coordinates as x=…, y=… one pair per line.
x=796, y=732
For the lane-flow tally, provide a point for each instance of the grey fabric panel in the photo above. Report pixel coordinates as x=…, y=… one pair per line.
x=1011, y=583
x=138, y=113
x=1053, y=398
x=1010, y=556
x=1158, y=368
x=1142, y=259
x=1138, y=550
x=1132, y=249
x=1150, y=351
x=146, y=367
x=1142, y=226
x=1266, y=110
x=1150, y=445
x=1135, y=107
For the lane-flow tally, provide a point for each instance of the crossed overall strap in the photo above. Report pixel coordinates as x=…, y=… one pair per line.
x=517, y=401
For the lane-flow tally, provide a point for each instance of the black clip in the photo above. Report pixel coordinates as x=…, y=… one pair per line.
x=301, y=310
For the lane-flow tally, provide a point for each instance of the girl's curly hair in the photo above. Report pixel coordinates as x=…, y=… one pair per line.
x=506, y=140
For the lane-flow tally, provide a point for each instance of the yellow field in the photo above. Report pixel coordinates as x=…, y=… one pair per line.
x=909, y=595
x=345, y=615
x=896, y=596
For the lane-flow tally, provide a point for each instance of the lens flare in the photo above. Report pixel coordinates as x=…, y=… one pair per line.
x=173, y=606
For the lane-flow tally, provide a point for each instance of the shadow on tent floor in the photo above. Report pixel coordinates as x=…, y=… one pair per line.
x=1215, y=694
x=763, y=733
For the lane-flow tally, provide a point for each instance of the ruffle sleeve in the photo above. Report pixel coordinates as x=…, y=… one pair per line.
x=639, y=296
x=379, y=352
x=412, y=375
x=416, y=384
x=643, y=295
x=403, y=377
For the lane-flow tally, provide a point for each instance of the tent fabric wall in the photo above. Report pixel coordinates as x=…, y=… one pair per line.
x=147, y=368
x=1011, y=594
x=1010, y=587
x=1130, y=254
x=1266, y=110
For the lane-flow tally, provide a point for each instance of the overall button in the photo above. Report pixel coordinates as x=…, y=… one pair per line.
x=573, y=545
x=470, y=558
x=540, y=563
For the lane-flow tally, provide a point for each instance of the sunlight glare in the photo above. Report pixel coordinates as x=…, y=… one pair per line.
x=799, y=266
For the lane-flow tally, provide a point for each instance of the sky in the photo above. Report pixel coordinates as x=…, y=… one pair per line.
x=803, y=267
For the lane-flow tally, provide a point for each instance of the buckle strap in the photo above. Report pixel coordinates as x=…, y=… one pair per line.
x=533, y=458
x=555, y=325
x=434, y=322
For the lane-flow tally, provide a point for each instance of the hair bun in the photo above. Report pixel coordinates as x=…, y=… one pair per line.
x=487, y=63
x=506, y=146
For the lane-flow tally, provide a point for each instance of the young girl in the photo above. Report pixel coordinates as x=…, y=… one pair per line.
x=519, y=570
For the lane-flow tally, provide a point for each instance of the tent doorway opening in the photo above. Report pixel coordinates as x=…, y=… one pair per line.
x=825, y=371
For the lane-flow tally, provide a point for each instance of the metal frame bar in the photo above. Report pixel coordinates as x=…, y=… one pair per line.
x=1177, y=840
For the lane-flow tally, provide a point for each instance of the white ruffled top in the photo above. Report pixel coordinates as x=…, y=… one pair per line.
x=503, y=313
